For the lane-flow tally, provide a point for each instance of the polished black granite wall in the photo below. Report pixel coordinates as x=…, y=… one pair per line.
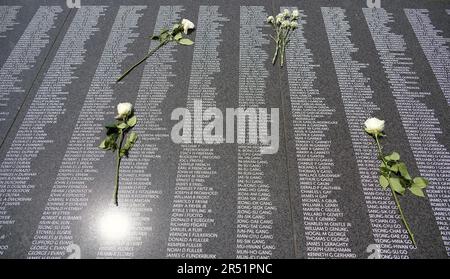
x=316, y=197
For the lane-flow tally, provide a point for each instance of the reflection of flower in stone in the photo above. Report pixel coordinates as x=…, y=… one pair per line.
x=114, y=225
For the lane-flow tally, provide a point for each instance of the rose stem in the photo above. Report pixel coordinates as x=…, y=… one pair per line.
x=285, y=41
x=411, y=235
x=116, y=188
x=277, y=42
x=142, y=60
x=282, y=52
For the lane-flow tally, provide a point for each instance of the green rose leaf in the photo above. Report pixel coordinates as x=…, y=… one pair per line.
x=123, y=152
x=132, y=121
x=384, y=171
x=111, y=126
x=420, y=182
x=133, y=137
x=178, y=36
x=154, y=37
x=185, y=42
x=396, y=185
x=109, y=143
x=176, y=26
x=404, y=171
x=394, y=156
x=122, y=125
x=417, y=191
x=111, y=130
x=131, y=140
x=163, y=37
x=394, y=168
x=103, y=145
x=384, y=182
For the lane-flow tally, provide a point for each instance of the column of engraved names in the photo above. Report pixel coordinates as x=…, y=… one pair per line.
x=8, y=16
x=358, y=105
x=433, y=45
x=254, y=205
x=136, y=187
x=15, y=171
x=326, y=232
x=23, y=57
x=192, y=223
x=421, y=125
x=75, y=177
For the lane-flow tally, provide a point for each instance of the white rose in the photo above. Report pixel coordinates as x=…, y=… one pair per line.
x=124, y=109
x=187, y=25
x=294, y=24
x=270, y=19
x=374, y=126
x=295, y=14
x=286, y=12
x=285, y=24
x=278, y=19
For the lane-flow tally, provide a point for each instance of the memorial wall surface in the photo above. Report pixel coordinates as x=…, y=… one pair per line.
x=313, y=193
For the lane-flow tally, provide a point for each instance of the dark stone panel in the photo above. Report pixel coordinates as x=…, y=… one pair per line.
x=28, y=37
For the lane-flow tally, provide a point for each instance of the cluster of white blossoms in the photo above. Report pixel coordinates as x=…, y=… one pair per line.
x=283, y=24
x=286, y=19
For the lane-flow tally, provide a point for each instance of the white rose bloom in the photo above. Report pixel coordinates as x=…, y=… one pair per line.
x=285, y=24
x=295, y=13
x=124, y=109
x=187, y=25
x=294, y=24
x=279, y=19
x=374, y=126
x=286, y=12
x=270, y=19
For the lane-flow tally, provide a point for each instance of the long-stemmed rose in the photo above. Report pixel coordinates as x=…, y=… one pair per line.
x=282, y=24
x=115, y=135
x=166, y=36
x=393, y=172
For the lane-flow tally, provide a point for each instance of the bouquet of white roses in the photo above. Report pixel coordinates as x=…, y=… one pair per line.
x=282, y=24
